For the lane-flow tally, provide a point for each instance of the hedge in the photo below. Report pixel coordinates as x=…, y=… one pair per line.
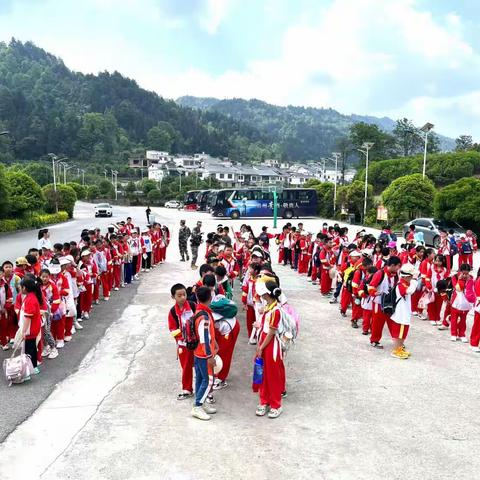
x=35, y=220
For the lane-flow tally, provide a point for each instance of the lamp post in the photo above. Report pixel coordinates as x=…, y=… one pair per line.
x=66, y=167
x=55, y=161
x=426, y=128
x=365, y=149
x=336, y=156
x=83, y=177
x=115, y=174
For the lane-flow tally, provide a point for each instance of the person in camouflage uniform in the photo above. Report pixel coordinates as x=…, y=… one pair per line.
x=195, y=242
x=183, y=236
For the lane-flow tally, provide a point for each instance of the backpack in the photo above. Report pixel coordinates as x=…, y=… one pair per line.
x=193, y=307
x=389, y=300
x=17, y=368
x=467, y=248
x=348, y=278
x=287, y=329
x=453, y=244
x=264, y=238
x=189, y=332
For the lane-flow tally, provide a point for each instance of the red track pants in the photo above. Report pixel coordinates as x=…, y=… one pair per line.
x=86, y=298
x=273, y=385
x=475, y=333
x=378, y=322
x=58, y=328
x=345, y=300
x=117, y=276
x=185, y=357
x=226, y=346
x=434, y=308
x=251, y=319
x=325, y=282
x=458, y=322
x=367, y=320
x=105, y=284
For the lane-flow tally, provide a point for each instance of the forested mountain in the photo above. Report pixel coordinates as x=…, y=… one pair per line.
x=303, y=132
x=48, y=108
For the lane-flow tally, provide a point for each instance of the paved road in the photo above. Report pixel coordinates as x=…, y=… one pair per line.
x=351, y=413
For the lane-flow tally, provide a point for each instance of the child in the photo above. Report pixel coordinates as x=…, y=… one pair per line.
x=475, y=333
x=53, y=302
x=431, y=278
x=204, y=355
x=462, y=301
x=248, y=297
x=366, y=300
x=270, y=350
x=399, y=322
x=179, y=314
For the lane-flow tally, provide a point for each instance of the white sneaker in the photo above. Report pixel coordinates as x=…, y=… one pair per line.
x=453, y=338
x=274, y=412
x=200, y=413
x=209, y=409
x=464, y=339
x=210, y=399
x=86, y=315
x=219, y=384
x=77, y=325
x=475, y=349
x=106, y=299
x=47, y=351
x=68, y=338
x=60, y=344
x=6, y=347
x=53, y=354
x=433, y=322
x=74, y=331
x=261, y=410
x=116, y=289
x=136, y=277
x=143, y=269
x=97, y=302
x=123, y=285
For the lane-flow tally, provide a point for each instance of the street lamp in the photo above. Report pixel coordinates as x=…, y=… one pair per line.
x=336, y=156
x=365, y=149
x=66, y=167
x=83, y=176
x=115, y=174
x=426, y=128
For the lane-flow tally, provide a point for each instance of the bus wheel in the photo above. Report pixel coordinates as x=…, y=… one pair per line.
x=235, y=214
x=288, y=214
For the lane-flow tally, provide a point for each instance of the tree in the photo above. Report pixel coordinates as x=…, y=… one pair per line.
x=352, y=197
x=384, y=143
x=147, y=185
x=463, y=143
x=460, y=202
x=345, y=148
x=130, y=190
x=80, y=190
x=161, y=137
x=106, y=188
x=407, y=137
x=25, y=194
x=40, y=172
x=93, y=192
x=4, y=193
x=409, y=196
x=155, y=196
x=325, y=196
x=64, y=197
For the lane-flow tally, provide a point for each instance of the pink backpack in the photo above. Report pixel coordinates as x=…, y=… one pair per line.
x=17, y=368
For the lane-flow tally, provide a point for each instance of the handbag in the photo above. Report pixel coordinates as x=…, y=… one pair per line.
x=425, y=299
x=18, y=368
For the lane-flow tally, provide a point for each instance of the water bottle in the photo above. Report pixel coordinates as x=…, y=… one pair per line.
x=258, y=372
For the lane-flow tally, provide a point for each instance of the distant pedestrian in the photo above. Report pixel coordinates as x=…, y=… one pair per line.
x=195, y=241
x=148, y=211
x=44, y=239
x=183, y=236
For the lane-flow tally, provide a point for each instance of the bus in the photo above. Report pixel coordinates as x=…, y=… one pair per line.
x=190, y=202
x=202, y=200
x=256, y=202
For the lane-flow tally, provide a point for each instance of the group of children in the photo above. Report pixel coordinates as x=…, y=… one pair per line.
x=205, y=328
x=47, y=294
x=384, y=283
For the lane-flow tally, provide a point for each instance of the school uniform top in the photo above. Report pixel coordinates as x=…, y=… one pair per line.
x=477, y=293
x=205, y=329
x=44, y=243
x=176, y=325
x=463, y=296
x=271, y=319
x=403, y=310
x=51, y=296
x=30, y=312
x=381, y=282
x=434, y=275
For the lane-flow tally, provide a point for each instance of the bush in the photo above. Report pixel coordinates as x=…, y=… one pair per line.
x=93, y=192
x=65, y=197
x=80, y=190
x=33, y=221
x=25, y=195
x=155, y=196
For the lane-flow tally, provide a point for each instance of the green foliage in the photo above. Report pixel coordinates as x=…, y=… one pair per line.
x=325, y=195
x=155, y=197
x=161, y=137
x=107, y=190
x=80, y=190
x=25, y=195
x=384, y=143
x=93, y=192
x=148, y=185
x=64, y=198
x=4, y=192
x=442, y=168
x=32, y=221
x=40, y=172
x=408, y=138
x=352, y=197
x=409, y=196
x=130, y=190
x=463, y=143
x=460, y=202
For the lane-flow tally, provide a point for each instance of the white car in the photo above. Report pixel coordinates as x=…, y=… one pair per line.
x=103, y=210
x=173, y=204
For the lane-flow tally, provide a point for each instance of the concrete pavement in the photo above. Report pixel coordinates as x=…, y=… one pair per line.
x=351, y=412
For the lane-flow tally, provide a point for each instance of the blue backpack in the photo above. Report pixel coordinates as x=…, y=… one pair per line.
x=467, y=248
x=453, y=244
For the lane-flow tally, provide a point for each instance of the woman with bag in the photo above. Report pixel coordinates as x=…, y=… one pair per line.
x=270, y=350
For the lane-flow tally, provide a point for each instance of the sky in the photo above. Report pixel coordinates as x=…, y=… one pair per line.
x=399, y=58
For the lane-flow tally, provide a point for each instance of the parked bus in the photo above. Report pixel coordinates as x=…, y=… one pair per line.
x=190, y=202
x=291, y=202
x=202, y=200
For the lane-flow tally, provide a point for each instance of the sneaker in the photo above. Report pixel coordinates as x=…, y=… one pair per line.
x=274, y=412
x=464, y=339
x=53, y=354
x=136, y=277
x=106, y=299
x=68, y=338
x=116, y=289
x=77, y=325
x=6, y=347
x=399, y=353
x=200, y=413
x=182, y=259
x=376, y=345
x=85, y=315
x=354, y=323
x=209, y=409
x=343, y=314
x=365, y=333
x=453, y=338
x=421, y=316
x=210, y=399
x=184, y=395
x=143, y=269
x=97, y=302
x=47, y=351
x=333, y=300
x=284, y=394
x=314, y=282
x=443, y=327
x=252, y=342
x=433, y=322
x=261, y=410
x=60, y=343
x=475, y=349
x=74, y=330
x=194, y=267
x=219, y=384
x=405, y=351
x=36, y=371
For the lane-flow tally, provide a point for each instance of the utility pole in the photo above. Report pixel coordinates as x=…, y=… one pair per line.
x=365, y=149
x=115, y=174
x=336, y=156
x=426, y=128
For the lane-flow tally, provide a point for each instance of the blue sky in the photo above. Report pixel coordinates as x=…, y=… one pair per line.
x=413, y=58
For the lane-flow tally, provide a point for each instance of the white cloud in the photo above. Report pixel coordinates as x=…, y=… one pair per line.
x=215, y=14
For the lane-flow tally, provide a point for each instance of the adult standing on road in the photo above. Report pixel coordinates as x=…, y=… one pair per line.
x=195, y=242
x=44, y=239
x=183, y=236
x=148, y=211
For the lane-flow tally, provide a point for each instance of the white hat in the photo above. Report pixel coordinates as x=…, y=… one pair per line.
x=354, y=253
x=261, y=288
x=85, y=252
x=64, y=261
x=69, y=258
x=54, y=268
x=256, y=253
x=407, y=270
x=367, y=252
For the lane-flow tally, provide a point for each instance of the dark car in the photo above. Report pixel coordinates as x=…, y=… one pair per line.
x=430, y=227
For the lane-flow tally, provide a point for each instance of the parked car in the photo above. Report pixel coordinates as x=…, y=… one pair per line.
x=103, y=210
x=430, y=227
x=173, y=204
